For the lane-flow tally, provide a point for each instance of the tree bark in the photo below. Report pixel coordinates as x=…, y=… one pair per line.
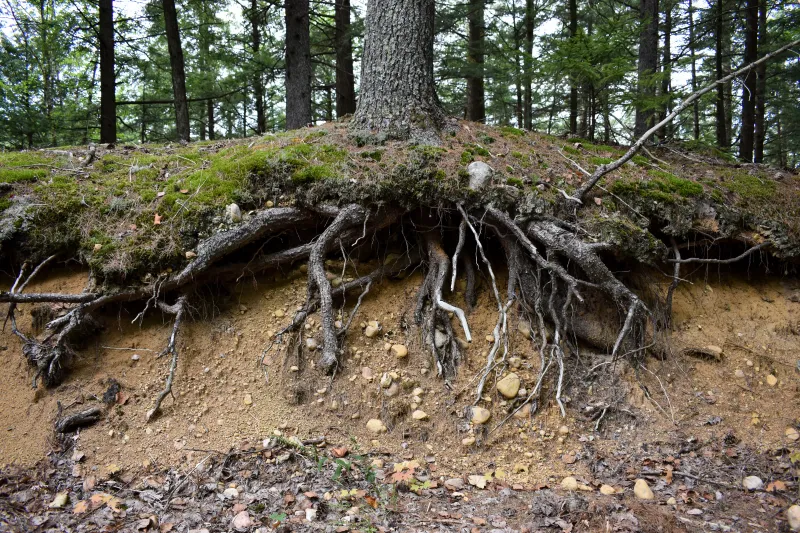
x=693, y=54
x=666, y=67
x=345, y=80
x=761, y=86
x=178, y=70
x=719, y=44
x=298, y=65
x=258, y=83
x=398, y=97
x=530, y=24
x=648, y=61
x=476, y=108
x=573, y=85
x=210, y=117
x=108, y=107
x=749, y=89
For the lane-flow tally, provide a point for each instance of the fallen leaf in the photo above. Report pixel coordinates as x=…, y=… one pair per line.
x=477, y=480
x=166, y=527
x=88, y=483
x=59, y=501
x=184, y=191
x=161, y=194
x=143, y=524
x=405, y=475
x=80, y=507
x=122, y=398
x=339, y=452
x=598, y=200
x=157, y=219
x=478, y=521
x=112, y=469
x=371, y=501
x=568, y=458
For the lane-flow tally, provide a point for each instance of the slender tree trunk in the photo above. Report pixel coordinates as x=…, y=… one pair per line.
x=210, y=118
x=761, y=86
x=693, y=54
x=530, y=24
x=476, y=109
x=781, y=151
x=298, y=65
x=749, y=89
x=648, y=62
x=606, y=118
x=573, y=84
x=258, y=83
x=108, y=106
x=666, y=67
x=178, y=70
x=345, y=80
x=398, y=97
x=723, y=141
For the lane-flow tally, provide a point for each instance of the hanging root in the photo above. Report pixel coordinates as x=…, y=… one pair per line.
x=178, y=309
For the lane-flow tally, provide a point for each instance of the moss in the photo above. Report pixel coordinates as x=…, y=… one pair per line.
x=375, y=155
x=508, y=131
x=571, y=150
x=430, y=153
x=5, y=203
x=485, y=139
x=14, y=175
x=313, y=173
x=600, y=160
x=747, y=186
x=516, y=182
x=467, y=157
x=670, y=183
x=516, y=155
x=641, y=160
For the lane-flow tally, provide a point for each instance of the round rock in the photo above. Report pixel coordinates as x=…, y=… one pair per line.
x=509, y=386
x=569, y=483
x=642, y=490
x=400, y=351
x=480, y=415
x=419, y=415
x=793, y=517
x=752, y=483
x=376, y=427
x=480, y=174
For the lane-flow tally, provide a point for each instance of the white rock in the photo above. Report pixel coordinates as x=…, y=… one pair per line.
x=772, y=380
x=376, y=426
x=524, y=328
x=386, y=381
x=792, y=434
x=752, y=483
x=311, y=344
x=739, y=373
x=242, y=521
x=468, y=441
x=400, y=351
x=135, y=357
x=607, y=490
x=509, y=386
x=439, y=338
x=480, y=174
x=793, y=517
x=366, y=373
x=419, y=415
x=371, y=331
x=230, y=493
x=233, y=213
x=392, y=391
x=569, y=483
x=480, y=415
x=642, y=490
x=311, y=514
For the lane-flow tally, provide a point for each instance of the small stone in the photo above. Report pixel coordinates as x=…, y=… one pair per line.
x=279, y=313
x=242, y=521
x=489, y=338
x=563, y=430
x=399, y=351
x=248, y=399
x=418, y=391
x=366, y=373
x=793, y=517
x=509, y=386
x=524, y=328
x=479, y=175
x=792, y=434
x=749, y=362
x=642, y=490
x=98, y=247
x=135, y=357
x=269, y=204
x=468, y=441
x=233, y=213
x=59, y=501
x=480, y=415
x=230, y=493
x=439, y=338
x=752, y=483
x=455, y=483
x=419, y=415
x=608, y=490
x=716, y=351
x=386, y=381
x=569, y=483
x=190, y=255
x=392, y=391
x=672, y=501
x=375, y=426
x=294, y=368
x=739, y=373
x=311, y=344
x=311, y=514
x=772, y=380
x=371, y=331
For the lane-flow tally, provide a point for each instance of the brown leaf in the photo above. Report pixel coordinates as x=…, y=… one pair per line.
x=157, y=220
x=403, y=476
x=568, y=458
x=184, y=191
x=80, y=507
x=161, y=194
x=143, y=524
x=371, y=501
x=122, y=398
x=88, y=483
x=339, y=452
x=166, y=527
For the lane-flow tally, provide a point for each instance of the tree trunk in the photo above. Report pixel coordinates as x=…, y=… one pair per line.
x=298, y=65
x=719, y=44
x=258, y=84
x=528, y=65
x=648, y=61
x=345, y=80
x=210, y=117
x=749, y=89
x=398, y=97
x=476, y=108
x=693, y=54
x=573, y=85
x=666, y=68
x=761, y=86
x=108, y=106
x=178, y=72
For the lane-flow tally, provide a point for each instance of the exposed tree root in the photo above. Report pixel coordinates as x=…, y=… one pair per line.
x=178, y=309
x=87, y=417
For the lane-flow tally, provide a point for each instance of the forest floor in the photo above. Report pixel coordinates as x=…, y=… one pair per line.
x=257, y=440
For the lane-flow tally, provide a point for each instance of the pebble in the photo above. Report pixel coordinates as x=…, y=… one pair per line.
x=468, y=441
x=294, y=368
x=419, y=415
x=480, y=415
x=418, y=392
x=455, y=483
x=190, y=255
x=386, y=381
x=792, y=434
x=366, y=373
x=772, y=380
x=242, y=521
x=233, y=212
x=489, y=338
x=392, y=391
x=376, y=426
x=509, y=386
x=269, y=204
x=716, y=350
x=739, y=373
x=793, y=517
x=311, y=514
x=563, y=430
x=642, y=490
x=135, y=357
x=672, y=501
x=607, y=490
x=248, y=399
x=371, y=331
x=400, y=351
x=569, y=483
x=279, y=313
x=439, y=338
x=230, y=494
x=752, y=483
x=311, y=344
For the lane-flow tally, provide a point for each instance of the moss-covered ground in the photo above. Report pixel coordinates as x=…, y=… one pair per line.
x=136, y=210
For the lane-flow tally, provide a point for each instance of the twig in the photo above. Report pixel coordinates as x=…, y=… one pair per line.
x=178, y=310
x=720, y=261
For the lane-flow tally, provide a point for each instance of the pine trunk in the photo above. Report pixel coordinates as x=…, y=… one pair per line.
x=648, y=62
x=693, y=54
x=398, y=97
x=666, y=68
x=298, y=65
x=210, y=117
x=345, y=80
x=178, y=72
x=761, y=86
x=476, y=110
x=108, y=105
x=749, y=89
x=258, y=84
x=573, y=85
x=719, y=50
x=528, y=64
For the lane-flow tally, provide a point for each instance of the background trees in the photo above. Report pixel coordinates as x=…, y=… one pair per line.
x=595, y=69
